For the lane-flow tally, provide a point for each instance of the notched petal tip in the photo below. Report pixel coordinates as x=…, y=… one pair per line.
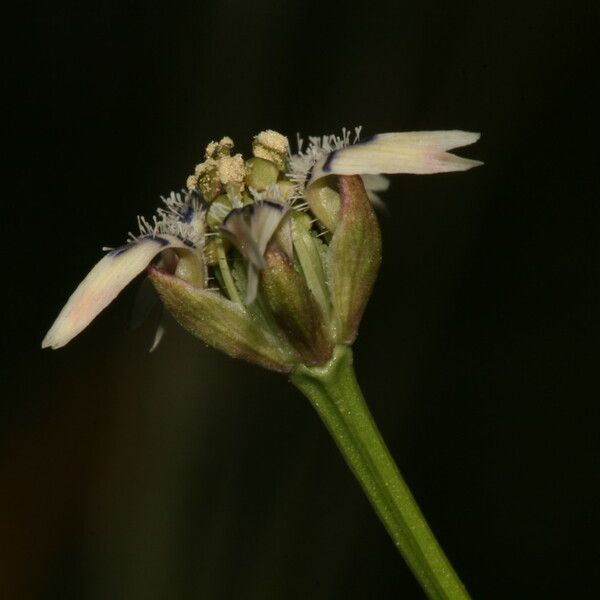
x=410, y=152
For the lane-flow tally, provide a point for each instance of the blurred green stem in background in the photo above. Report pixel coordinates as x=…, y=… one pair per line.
x=334, y=392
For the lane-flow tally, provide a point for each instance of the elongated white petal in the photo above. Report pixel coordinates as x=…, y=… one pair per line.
x=238, y=228
x=251, y=228
x=415, y=152
x=102, y=285
x=376, y=183
x=264, y=222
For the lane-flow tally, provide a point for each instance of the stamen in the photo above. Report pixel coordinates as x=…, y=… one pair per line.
x=183, y=217
x=272, y=194
x=301, y=163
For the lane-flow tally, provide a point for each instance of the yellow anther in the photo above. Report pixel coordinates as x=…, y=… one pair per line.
x=272, y=146
x=219, y=149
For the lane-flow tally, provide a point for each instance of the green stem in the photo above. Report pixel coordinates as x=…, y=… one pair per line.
x=334, y=392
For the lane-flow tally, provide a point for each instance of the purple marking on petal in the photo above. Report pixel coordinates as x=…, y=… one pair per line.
x=120, y=250
x=187, y=214
x=326, y=165
x=275, y=205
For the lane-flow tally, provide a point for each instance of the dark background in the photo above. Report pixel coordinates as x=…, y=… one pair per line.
x=185, y=474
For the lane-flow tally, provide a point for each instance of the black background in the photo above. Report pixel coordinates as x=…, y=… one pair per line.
x=185, y=474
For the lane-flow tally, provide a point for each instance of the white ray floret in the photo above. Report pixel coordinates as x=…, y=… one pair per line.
x=412, y=152
x=103, y=284
x=250, y=229
x=180, y=225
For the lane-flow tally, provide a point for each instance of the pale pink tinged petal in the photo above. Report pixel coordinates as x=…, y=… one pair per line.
x=250, y=229
x=102, y=285
x=238, y=230
x=413, y=152
x=266, y=218
x=443, y=140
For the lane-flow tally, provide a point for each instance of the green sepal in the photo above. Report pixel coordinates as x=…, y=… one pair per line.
x=222, y=324
x=353, y=257
x=294, y=308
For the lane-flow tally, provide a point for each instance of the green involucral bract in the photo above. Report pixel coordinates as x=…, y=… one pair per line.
x=353, y=257
x=295, y=309
x=223, y=324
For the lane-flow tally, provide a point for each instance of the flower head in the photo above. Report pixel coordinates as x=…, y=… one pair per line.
x=271, y=259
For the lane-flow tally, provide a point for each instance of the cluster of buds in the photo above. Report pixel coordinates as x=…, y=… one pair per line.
x=270, y=259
